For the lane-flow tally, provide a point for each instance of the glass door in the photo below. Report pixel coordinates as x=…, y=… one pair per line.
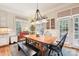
x=18, y=27
x=76, y=30
x=64, y=27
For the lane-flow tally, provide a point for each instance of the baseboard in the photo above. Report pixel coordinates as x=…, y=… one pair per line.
x=4, y=45
x=8, y=44
x=74, y=48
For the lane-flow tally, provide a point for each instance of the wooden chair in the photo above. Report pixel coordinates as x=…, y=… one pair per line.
x=57, y=48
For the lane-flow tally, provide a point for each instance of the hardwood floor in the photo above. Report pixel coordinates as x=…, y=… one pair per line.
x=5, y=51
x=12, y=50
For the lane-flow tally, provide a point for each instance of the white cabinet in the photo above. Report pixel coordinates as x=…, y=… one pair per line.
x=4, y=40
x=6, y=20
x=3, y=20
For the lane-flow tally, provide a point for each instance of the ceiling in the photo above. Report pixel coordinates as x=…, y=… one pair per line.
x=28, y=9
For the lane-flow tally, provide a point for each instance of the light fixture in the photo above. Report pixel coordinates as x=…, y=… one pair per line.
x=38, y=17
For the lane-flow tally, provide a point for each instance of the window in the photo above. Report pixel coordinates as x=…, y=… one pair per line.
x=76, y=30
x=18, y=27
x=21, y=25
x=63, y=26
x=76, y=27
x=53, y=23
x=40, y=28
x=48, y=24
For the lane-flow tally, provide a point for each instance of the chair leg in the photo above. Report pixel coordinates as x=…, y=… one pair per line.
x=49, y=53
x=58, y=53
x=61, y=53
x=18, y=48
x=35, y=54
x=55, y=53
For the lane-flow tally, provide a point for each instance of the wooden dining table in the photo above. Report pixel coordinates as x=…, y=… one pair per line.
x=43, y=40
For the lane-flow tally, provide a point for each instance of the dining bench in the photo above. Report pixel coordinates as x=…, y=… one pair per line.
x=28, y=49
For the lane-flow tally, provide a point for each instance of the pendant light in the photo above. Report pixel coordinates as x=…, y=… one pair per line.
x=38, y=17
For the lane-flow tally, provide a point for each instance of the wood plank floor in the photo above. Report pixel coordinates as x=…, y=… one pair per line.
x=11, y=50
x=5, y=51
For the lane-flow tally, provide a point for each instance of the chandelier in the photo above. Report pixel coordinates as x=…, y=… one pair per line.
x=39, y=18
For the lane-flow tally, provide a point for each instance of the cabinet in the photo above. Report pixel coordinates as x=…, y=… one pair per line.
x=4, y=40
x=3, y=20
x=7, y=22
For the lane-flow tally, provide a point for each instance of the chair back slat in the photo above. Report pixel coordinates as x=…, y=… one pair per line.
x=61, y=43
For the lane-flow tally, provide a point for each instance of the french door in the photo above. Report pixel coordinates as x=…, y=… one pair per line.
x=63, y=24
x=76, y=30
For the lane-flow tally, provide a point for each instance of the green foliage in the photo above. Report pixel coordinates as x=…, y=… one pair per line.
x=32, y=28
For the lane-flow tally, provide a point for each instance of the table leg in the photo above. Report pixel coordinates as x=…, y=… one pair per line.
x=18, y=48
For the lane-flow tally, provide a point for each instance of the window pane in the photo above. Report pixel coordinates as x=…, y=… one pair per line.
x=76, y=27
x=63, y=26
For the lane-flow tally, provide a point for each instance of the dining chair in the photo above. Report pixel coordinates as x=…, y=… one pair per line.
x=57, y=49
